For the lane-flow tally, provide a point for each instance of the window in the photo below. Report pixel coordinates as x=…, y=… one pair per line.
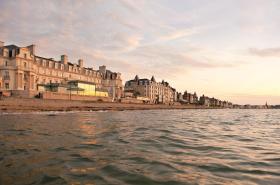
x=6, y=73
x=25, y=56
x=50, y=64
x=7, y=86
x=24, y=64
x=6, y=63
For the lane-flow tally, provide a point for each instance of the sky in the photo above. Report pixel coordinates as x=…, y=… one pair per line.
x=228, y=49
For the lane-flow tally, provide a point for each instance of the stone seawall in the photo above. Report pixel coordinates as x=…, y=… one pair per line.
x=62, y=96
x=19, y=93
x=10, y=104
x=131, y=100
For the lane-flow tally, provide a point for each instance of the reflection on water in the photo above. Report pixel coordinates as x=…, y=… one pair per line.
x=141, y=147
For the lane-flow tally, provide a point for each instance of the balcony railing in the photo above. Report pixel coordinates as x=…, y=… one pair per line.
x=6, y=77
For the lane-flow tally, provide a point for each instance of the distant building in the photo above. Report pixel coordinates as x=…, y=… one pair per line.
x=236, y=106
x=204, y=100
x=213, y=102
x=22, y=72
x=157, y=92
x=175, y=95
x=190, y=98
x=247, y=106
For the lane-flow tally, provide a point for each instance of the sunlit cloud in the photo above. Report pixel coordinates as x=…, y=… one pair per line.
x=266, y=52
x=178, y=34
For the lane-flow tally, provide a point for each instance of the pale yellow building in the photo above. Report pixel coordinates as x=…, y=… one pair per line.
x=21, y=71
x=86, y=88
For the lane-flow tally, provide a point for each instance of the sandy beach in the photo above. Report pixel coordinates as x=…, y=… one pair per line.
x=36, y=105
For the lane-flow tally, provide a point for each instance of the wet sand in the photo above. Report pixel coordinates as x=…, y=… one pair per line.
x=37, y=105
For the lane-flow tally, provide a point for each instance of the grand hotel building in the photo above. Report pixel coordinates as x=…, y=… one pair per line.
x=21, y=71
x=156, y=92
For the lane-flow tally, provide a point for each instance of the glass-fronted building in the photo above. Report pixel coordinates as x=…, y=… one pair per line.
x=85, y=88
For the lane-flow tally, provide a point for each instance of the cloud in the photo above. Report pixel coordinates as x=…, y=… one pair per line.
x=178, y=34
x=131, y=5
x=166, y=57
x=266, y=52
x=120, y=42
x=117, y=18
x=162, y=38
x=130, y=36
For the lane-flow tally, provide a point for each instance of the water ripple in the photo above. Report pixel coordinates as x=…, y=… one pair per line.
x=172, y=147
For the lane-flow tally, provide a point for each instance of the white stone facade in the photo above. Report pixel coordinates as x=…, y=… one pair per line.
x=157, y=92
x=22, y=70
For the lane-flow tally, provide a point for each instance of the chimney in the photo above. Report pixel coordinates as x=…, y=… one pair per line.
x=1, y=44
x=81, y=62
x=31, y=49
x=102, y=69
x=64, y=59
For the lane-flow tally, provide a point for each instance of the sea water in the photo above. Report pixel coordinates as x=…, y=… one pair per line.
x=227, y=146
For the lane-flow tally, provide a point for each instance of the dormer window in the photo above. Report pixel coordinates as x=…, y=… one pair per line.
x=50, y=64
x=6, y=54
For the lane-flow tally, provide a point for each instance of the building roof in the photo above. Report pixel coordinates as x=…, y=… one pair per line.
x=11, y=46
x=144, y=79
x=46, y=58
x=166, y=84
